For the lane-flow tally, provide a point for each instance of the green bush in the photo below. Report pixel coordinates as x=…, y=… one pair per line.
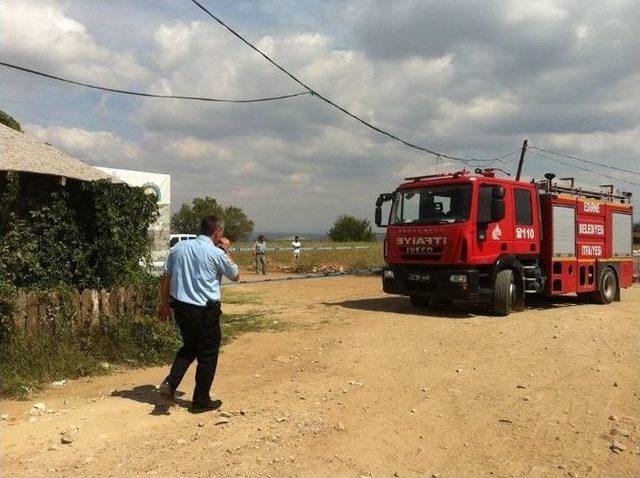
x=89, y=236
x=350, y=228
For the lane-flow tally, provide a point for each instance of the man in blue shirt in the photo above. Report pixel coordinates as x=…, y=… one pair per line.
x=191, y=286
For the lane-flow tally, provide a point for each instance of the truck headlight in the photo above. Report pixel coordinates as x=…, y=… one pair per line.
x=459, y=278
x=388, y=275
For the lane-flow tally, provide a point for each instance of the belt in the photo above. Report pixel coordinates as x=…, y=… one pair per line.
x=211, y=304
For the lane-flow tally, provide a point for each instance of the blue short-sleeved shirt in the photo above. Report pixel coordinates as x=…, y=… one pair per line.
x=196, y=269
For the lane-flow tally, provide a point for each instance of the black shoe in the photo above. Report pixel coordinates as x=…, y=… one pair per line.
x=208, y=406
x=167, y=391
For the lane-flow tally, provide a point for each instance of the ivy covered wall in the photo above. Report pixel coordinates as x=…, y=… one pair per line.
x=79, y=234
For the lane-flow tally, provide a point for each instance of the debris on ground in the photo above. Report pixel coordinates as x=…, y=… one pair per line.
x=617, y=447
x=328, y=268
x=281, y=359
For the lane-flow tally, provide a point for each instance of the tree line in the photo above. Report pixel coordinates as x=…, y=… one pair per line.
x=238, y=225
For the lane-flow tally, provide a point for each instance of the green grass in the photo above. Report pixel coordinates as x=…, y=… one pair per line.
x=54, y=352
x=29, y=361
x=234, y=325
x=237, y=297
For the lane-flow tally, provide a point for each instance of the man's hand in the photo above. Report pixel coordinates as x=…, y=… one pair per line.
x=224, y=243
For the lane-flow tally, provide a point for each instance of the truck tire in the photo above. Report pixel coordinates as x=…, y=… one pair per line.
x=607, y=287
x=504, y=292
x=419, y=302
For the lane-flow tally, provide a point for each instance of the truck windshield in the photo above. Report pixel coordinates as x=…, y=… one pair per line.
x=432, y=205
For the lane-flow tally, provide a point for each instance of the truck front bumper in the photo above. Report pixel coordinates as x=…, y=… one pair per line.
x=437, y=284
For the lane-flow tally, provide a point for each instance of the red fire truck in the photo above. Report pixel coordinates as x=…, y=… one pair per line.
x=478, y=238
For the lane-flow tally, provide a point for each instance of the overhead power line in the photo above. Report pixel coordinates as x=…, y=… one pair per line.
x=152, y=95
x=582, y=160
x=329, y=101
x=556, y=160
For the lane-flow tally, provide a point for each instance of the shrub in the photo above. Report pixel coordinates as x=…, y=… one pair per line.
x=83, y=235
x=350, y=228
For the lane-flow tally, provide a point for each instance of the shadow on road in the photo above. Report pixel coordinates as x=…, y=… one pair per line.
x=539, y=302
x=149, y=394
x=402, y=305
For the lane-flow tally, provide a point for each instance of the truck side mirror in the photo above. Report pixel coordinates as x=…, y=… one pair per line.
x=379, y=202
x=379, y=216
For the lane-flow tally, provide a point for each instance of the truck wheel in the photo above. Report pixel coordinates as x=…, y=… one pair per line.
x=504, y=292
x=607, y=288
x=419, y=302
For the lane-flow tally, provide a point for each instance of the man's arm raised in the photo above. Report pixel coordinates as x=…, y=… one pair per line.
x=230, y=269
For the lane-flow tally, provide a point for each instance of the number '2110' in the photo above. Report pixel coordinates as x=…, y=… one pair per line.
x=525, y=233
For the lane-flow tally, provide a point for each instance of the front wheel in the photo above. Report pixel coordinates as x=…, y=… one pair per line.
x=419, y=302
x=607, y=288
x=504, y=292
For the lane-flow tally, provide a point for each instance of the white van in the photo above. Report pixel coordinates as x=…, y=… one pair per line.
x=175, y=238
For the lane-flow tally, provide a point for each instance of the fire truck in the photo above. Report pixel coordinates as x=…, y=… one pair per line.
x=474, y=237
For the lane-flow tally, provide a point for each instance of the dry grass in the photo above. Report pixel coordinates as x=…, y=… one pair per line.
x=350, y=259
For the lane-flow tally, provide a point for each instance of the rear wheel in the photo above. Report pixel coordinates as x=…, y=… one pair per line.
x=419, y=302
x=504, y=292
x=607, y=287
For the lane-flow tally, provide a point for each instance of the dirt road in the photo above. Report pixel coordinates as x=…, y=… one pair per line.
x=361, y=384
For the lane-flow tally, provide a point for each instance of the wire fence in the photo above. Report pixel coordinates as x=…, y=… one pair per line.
x=320, y=275
x=290, y=248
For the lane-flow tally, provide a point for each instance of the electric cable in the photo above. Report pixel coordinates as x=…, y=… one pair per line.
x=556, y=160
x=152, y=95
x=314, y=93
x=588, y=161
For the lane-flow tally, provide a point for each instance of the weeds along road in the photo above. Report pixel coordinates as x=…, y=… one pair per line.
x=358, y=383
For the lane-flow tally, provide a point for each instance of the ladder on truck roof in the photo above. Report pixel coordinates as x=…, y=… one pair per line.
x=549, y=187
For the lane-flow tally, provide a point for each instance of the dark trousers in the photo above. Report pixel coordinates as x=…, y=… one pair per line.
x=201, y=335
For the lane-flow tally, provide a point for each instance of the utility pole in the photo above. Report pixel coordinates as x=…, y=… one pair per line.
x=524, y=150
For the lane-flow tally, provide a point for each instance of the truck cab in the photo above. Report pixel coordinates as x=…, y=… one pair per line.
x=463, y=237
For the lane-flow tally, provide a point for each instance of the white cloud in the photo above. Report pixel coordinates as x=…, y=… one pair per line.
x=526, y=10
x=96, y=147
x=40, y=33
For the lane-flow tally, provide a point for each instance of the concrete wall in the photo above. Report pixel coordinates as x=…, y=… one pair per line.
x=160, y=230
x=160, y=186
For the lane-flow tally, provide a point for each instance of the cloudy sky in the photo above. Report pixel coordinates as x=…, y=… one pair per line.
x=468, y=78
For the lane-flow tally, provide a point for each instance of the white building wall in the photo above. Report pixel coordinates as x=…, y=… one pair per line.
x=160, y=185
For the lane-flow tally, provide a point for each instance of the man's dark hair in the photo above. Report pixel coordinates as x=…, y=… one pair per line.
x=210, y=224
x=261, y=238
